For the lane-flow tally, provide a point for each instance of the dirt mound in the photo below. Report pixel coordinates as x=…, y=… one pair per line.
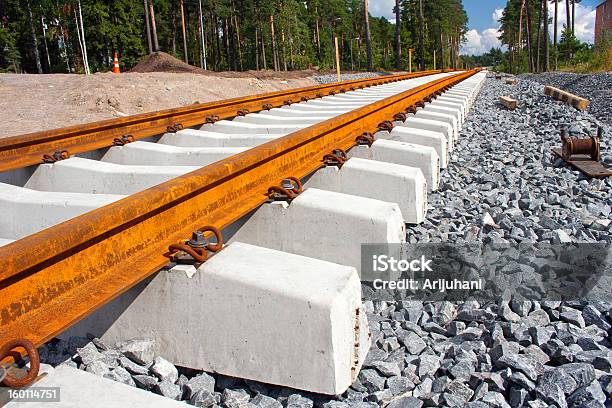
x=162, y=62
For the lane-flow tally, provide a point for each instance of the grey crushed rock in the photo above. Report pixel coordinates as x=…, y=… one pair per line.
x=168, y=390
x=164, y=370
x=139, y=350
x=121, y=375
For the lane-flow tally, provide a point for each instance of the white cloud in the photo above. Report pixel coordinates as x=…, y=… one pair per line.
x=477, y=43
x=584, y=26
x=472, y=45
x=490, y=38
x=382, y=8
x=497, y=14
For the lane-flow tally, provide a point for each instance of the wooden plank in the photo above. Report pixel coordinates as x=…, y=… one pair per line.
x=508, y=102
x=571, y=99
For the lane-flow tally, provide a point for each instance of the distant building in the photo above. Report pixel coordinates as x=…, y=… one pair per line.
x=603, y=22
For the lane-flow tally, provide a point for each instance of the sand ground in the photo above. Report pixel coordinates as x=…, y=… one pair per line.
x=31, y=103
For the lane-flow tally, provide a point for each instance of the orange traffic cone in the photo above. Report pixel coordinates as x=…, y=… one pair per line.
x=116, y=69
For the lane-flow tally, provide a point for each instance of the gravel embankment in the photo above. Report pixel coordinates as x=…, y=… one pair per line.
x=501, y=186
x=502, y=165
x=331, y=78
x=595, y=87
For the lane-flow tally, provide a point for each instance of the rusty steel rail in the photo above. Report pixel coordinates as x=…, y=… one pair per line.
x=53, y=278
x=29, y=149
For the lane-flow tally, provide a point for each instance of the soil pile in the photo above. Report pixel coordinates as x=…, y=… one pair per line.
x=161, y=62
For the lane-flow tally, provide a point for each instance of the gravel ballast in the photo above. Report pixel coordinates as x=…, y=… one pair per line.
x=595, y=87
x=331, y=78
x=501, y=184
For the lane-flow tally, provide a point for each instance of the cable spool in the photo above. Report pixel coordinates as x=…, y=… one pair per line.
x=573, y=145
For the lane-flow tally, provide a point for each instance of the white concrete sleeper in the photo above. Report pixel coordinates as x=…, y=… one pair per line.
x=384, y=181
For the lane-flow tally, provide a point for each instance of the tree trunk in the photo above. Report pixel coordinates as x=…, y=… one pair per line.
x=226, y=45
x=568, y=26
x=317, y=35
x=529, y=47
x=214, y=35
x=520, y=34
x=237, y=32
x=62, y=46
x=443, y=64
x=184, y=34
x=78, y=30
x=229, y=45
x=85, y=59
x=367, y=35
x=153, y=27
x=263, y=50
x=291, y=43
x=34, y=41
x=398, y=42
x=200, y=31
x=568, y=18
x=274, y=51
x=42, y=22
x=202, y=35
x=147, y=24
x=573, y=16
x=510, y=54
x=546, y=52
x=385, y=56
x=539, y=42
x=421, y=37
x=284, y=50
x=256, y=48
x=555, y=32
x=173, y=31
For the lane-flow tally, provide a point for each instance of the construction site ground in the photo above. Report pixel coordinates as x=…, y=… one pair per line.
x=31, y=103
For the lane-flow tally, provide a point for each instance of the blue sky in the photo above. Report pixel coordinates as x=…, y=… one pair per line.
x=482, y=25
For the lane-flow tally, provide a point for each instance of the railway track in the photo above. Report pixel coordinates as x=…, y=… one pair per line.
x=127, y=194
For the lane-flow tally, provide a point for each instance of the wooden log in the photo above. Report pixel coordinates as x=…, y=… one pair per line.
x=511, y=81
x=571, y=99
x=508, y=102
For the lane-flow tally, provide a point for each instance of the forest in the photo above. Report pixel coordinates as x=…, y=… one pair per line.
x=81, y=36
x=533, y=47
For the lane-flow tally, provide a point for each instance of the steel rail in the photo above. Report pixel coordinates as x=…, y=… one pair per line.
x=51, y=279
x=29, y=149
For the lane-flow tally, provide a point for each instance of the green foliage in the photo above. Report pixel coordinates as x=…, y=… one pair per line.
x=570, y=53
x=9, y=55
x=495, y=58
x=444, y=20
x=589, y=59
x=569, y=44
x=304, y=32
